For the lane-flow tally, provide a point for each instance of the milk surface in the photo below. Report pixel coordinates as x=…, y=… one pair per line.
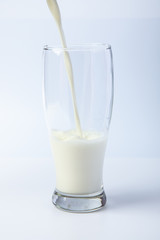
x=78, y=161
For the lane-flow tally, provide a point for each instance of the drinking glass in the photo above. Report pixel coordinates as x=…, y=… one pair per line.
x=78, y=159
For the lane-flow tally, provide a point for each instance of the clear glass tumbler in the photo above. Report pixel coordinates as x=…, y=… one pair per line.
x=78, y=156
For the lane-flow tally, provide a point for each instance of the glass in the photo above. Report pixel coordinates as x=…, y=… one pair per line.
x=79, y=159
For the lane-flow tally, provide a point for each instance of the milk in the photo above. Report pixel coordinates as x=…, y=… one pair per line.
x=78, y=161
x=78, y=154
x=53, y=6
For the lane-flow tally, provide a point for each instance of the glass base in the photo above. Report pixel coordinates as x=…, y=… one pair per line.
x=79, y=203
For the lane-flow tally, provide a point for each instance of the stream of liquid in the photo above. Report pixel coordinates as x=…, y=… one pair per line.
x=54, y=8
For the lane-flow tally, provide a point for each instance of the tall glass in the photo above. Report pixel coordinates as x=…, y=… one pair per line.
x=78, y=158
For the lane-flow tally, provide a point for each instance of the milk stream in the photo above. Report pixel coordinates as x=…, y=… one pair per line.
x=54, y=8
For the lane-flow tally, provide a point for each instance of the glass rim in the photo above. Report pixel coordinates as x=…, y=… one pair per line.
x=78, y=47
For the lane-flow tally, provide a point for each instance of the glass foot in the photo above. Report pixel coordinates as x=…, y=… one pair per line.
x=79, y=203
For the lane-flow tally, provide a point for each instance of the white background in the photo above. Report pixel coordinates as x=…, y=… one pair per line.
x=132, y=170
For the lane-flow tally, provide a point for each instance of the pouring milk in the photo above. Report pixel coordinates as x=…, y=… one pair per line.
x=53, y=6
x=78, y=154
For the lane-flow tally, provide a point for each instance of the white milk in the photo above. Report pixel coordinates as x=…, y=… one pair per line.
x=78, y=155
x=78, y=162
x=53, y=6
